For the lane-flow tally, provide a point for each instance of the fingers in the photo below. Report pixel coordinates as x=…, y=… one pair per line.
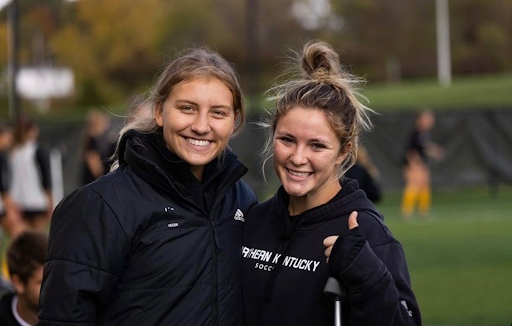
x=328, y=252
x=352, y=220
x=331, y=240
x=329, y=243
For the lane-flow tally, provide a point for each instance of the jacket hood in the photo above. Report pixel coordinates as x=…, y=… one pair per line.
x=349, y=198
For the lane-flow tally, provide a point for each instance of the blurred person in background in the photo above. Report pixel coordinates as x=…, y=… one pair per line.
x=420, y=148
x=5, y=285
x=10, y=218
x=157, y=241
x=25, y=256
x=31, y=186
x=316, y=213
x=366, y=174
x=98, y=146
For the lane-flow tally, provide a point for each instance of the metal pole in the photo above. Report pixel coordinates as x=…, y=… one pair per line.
x=444, y=68
x=337, y=312
x=334, y=291
x=13, y=14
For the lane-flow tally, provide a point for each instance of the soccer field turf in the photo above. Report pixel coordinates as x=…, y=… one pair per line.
x=460, y=256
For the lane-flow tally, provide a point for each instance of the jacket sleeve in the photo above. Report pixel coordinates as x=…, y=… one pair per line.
x=376, y=281
x=86, y=253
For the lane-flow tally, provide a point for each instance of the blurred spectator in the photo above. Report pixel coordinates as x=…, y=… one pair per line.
x=10, y=219
x=98, y=146
x=30, y=175
x=366, y=174
x=25, y=257
x=5, y=288
x=419, y=149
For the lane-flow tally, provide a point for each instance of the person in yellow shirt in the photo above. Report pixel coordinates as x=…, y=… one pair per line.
x=420, y=148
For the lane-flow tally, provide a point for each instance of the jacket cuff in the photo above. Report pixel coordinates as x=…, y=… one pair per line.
x=363, y=271
x=345, y=249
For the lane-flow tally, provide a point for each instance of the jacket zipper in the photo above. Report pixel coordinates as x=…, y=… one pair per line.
x=237, y=173
x=215, y=294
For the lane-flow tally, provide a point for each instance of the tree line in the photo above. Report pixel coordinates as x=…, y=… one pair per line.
x=117, y=47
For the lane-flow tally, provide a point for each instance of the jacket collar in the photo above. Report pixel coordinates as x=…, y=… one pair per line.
x=149, y=158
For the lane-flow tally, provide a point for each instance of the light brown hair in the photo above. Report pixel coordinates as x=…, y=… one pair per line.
x=193, y=63
x=320, y=82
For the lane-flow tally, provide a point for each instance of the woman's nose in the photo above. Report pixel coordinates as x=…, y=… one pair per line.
x=299, y=156
x=201, y=124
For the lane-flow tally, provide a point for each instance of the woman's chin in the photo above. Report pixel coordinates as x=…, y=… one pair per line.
x=295, y=191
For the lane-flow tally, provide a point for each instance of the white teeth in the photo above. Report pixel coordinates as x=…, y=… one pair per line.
x=197, y=142
x=299, y=174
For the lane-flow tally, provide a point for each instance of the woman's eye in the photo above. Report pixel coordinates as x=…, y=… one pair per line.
x=186, y=108
x=287, y=140
x=317, y=145
x=220, y=113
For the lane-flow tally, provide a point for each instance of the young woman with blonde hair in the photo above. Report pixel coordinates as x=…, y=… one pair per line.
x=157, y=241
x=313, y=140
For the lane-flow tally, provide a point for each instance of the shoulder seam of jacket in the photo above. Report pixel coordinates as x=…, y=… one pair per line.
x=382, y=226
x=113, y=212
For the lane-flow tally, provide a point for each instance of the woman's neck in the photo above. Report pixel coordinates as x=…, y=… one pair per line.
x=197, y=171
x=299, y=204
x=25, y=312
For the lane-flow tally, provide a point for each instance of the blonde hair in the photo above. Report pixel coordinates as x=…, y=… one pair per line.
x=320, y=82
x=194, y=62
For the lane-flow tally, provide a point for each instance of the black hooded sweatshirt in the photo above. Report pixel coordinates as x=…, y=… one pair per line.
x=148, y=244
x=285, y=269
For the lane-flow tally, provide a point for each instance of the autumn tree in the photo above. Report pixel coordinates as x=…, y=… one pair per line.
x=117, y=47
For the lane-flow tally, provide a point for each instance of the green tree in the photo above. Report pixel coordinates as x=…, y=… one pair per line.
x=112, y=46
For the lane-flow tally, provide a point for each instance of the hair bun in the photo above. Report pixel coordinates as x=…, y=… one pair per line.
x=319, y=61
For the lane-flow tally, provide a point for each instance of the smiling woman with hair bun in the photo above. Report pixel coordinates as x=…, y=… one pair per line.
x=317, y=213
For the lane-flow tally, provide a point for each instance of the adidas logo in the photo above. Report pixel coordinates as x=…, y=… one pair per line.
x=239, y=216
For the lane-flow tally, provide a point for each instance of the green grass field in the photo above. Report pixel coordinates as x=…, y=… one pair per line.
x=465, y=92
x=460, y=256
x=484, y=91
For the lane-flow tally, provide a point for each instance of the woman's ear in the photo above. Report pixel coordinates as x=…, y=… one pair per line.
x=237, y=112
x=159, y=114
x=342, y=155
x=18, y=285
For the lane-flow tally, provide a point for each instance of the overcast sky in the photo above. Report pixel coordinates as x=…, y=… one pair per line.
x=3, y=3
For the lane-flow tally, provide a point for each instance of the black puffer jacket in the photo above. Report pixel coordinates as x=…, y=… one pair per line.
x=148, y=245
